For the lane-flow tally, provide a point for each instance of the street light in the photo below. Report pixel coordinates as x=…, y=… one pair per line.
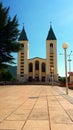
x=70, y=61
x=65, y=46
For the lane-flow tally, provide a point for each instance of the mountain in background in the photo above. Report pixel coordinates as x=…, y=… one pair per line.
x=13, y=70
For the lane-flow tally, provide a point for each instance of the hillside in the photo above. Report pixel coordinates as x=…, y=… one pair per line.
x=13, y=70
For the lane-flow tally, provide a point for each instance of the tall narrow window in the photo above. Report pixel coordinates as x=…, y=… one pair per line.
x=36, y=65
x=22, y=47
x=51, y=48
x=43, y=67
x=30, y=67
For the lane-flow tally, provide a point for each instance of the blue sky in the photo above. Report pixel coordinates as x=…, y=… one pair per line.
x=36, y=16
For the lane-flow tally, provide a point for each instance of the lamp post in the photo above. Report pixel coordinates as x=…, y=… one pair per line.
x=65, y=46
x=70, y=61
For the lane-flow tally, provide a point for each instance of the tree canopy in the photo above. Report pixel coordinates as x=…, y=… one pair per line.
x=8, y=36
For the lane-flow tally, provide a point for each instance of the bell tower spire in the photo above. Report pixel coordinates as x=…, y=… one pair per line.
x=22, y=69
x=51, y=55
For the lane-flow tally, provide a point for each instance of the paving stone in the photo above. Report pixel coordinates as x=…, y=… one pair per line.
x=11, y=125
x=19, y=115
x=28, y=104
x=59, y=118
x=32, y=107
x=36, y=125
x=70, y=112
x=39, y=114
x=55, y=108
x=61, y=126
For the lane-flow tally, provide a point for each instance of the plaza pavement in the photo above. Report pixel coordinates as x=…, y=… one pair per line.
x=35, y=107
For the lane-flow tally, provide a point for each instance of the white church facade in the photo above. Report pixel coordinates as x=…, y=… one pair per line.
x=37, y=68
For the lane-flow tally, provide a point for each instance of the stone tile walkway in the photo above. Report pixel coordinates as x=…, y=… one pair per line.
x=35, y=107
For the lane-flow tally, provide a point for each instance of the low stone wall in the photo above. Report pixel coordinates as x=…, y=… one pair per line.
x=70, y=85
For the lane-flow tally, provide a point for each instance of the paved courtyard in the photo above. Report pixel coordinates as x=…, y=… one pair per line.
x=35, y=107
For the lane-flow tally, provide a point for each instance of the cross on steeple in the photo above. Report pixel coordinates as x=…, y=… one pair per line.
x=51, y=34
x=23, y=36
x=23, y=25
x=50, y=24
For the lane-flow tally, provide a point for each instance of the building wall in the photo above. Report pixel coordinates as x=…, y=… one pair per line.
x=22, y=68
x=36, y=73
x=71, y=79
x=23, y=73
x=51, y=60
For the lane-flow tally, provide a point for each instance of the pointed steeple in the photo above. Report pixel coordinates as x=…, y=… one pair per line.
x=51, y=35
x=23, y=36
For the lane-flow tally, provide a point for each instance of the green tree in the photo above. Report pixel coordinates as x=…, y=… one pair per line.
x=6, y=76
x=8, y=36
x=61, y=79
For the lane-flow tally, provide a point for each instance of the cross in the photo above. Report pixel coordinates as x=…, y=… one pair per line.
x=50, y=24
x=23, y=24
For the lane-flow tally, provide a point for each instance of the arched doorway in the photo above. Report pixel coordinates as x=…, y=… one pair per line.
x=43, y=70
x=30, y=72
x=36, y=70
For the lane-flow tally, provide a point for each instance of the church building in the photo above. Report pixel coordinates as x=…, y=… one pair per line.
x=37, y=69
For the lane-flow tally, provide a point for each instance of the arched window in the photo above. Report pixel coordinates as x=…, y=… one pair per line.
x=22, y=46
x=30, y=67
x=36, y=65
x=43, y=67
x=51, y=48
